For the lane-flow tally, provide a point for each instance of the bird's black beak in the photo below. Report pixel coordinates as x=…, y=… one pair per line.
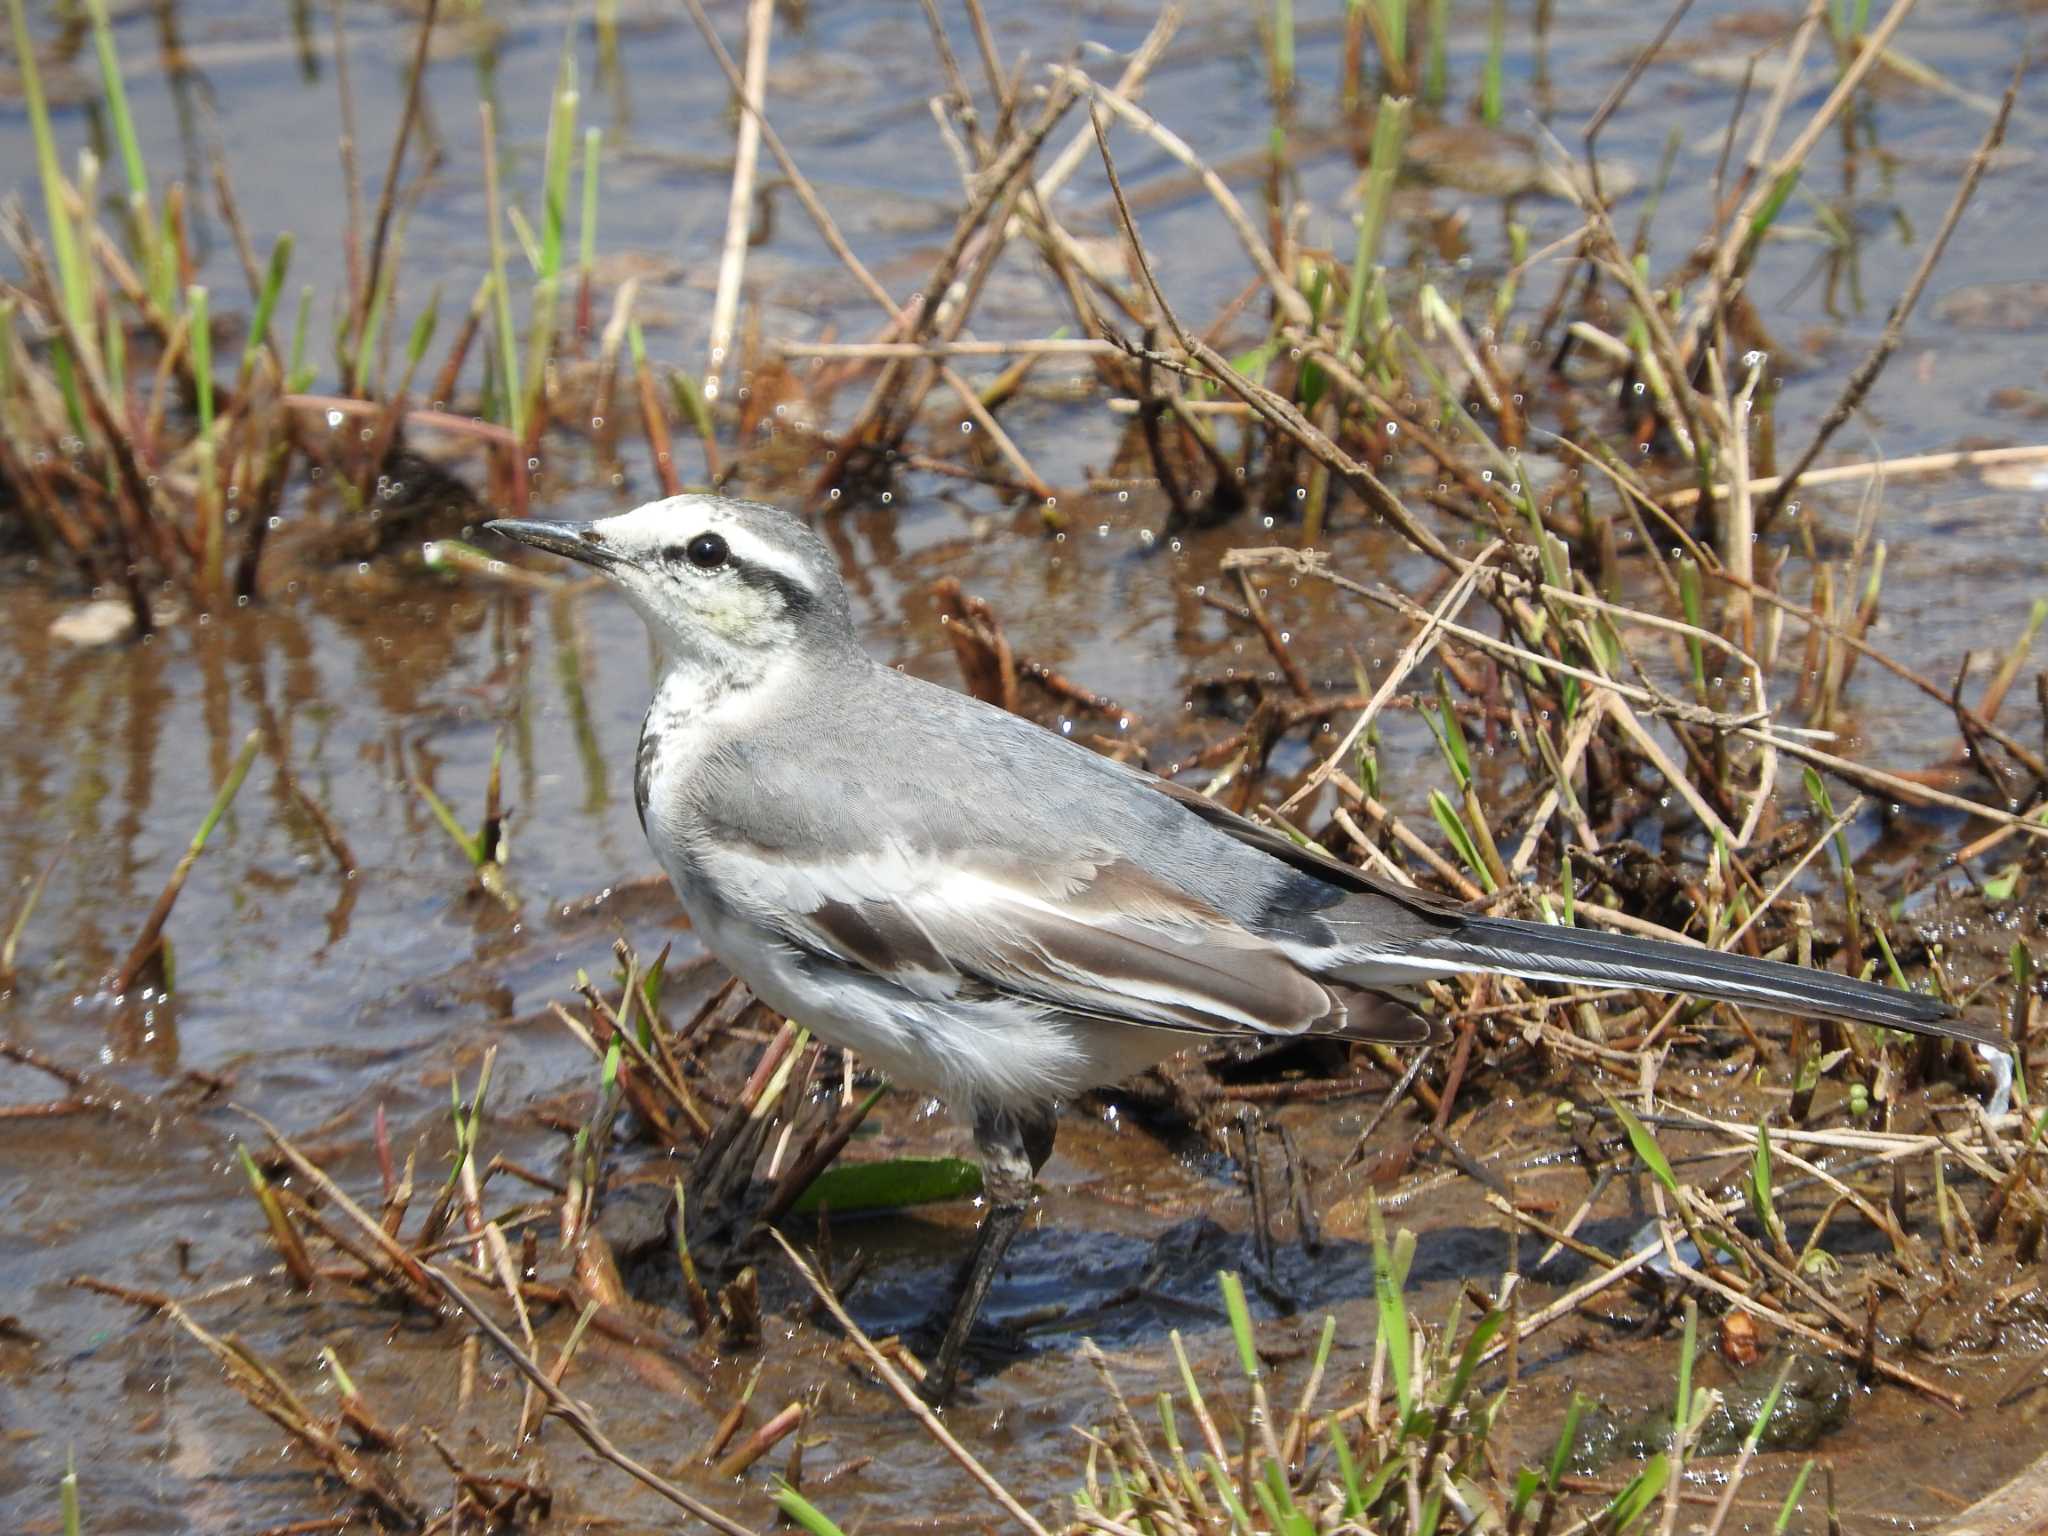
x=577, y=541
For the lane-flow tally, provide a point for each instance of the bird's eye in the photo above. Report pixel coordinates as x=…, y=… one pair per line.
x=707, y=552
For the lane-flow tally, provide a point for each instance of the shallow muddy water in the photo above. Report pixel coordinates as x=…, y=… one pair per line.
x=315, y=998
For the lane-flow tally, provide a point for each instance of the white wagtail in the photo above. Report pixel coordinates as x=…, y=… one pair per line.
x=986, y=911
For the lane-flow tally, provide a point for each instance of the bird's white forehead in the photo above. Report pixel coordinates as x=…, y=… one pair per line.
x=672, y=522
x=658, y=524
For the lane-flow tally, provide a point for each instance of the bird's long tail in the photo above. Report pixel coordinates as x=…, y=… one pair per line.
x=1543, y=952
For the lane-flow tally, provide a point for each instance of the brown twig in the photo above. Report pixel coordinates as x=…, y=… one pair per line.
x=387, y=194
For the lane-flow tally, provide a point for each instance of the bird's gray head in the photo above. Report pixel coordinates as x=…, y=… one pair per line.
x=727, y=582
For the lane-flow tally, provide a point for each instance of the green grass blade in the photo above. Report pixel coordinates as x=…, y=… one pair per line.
x=374, y=317
x=1761, y=1199
x=298, y=374
x=423, y=328
x=71, y=271
x=1763, y=1417
x=67, y=1493
x=132, y=163
x=1393, y=1312
x=1496, y=54
x=586, y=228
x=501, y=292
x=1436, y=71
x=1636, y=1500
x=200, y=346
x=555, y=177
x=797, y=1508
x=1567, y=1441
x=1792, y=1496
x=1240, y=1323
x=1767, y=215
x=1460, y=837
x=1646, y=1148
x=1450, y=734
x=266, y=303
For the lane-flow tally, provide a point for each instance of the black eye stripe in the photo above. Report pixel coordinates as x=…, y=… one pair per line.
x=794, y=596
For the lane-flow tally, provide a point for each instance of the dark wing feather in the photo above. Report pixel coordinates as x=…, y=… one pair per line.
x=1104, y=940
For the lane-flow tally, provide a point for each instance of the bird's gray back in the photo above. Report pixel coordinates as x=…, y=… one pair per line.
x=852, y=757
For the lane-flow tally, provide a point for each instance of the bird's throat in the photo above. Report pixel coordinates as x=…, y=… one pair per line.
x=698, y=704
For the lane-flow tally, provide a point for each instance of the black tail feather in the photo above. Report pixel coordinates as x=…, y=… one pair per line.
x=1544, y=952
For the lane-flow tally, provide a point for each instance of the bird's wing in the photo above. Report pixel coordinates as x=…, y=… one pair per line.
x=1099, y=937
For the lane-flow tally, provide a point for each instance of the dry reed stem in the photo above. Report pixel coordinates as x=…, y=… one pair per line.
x=437, y=1286
x=1134, y=1438
x=1891, y=784
x=739, y=211
x=1446, y=871
x=1606, y=693
x=798, y=182
x=1001, y=440
x=1774, y=105
x=970, y=240
x=351, y=177
x=484, y=432
x=1820, y=841
x=1975, y=721
x=1954, y=1401
x=1737, y=525
x=1564, y=768
x=387, y=194
x=405, y=1267
x=881, y=351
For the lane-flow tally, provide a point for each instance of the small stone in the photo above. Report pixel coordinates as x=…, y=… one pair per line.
x=105, y=621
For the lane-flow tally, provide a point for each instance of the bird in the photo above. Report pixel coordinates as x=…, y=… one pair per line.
x=987, y=911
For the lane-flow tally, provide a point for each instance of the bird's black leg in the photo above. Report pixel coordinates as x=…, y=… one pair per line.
x=1013, y=1146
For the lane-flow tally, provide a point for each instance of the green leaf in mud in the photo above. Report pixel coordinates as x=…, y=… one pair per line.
x=1792, y=1499
x=1567, y=1442
x=1389, y=1274
x=1635, y=1501
x=887, y=1186
x=1761, y=1201
x=803, y=1513
x=1240, y=1316
x=1645, y=1144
